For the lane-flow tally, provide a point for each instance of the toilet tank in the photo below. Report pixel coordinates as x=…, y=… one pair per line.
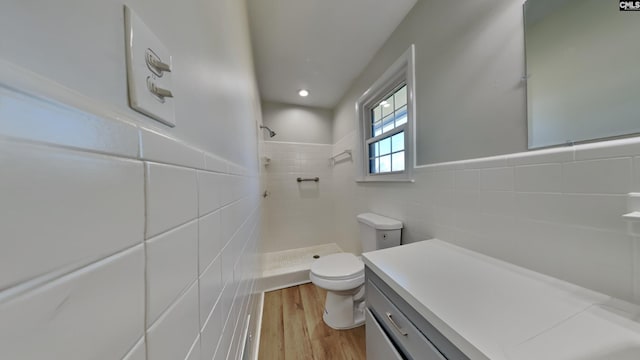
x=379, y=232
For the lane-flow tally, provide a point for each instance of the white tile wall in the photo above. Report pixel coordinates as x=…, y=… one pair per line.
x=172, y=197
x=497, y=202
x=68, y=234
x=539, y=206
x=466, y=179
x=210, y=288
x=608, y=149
x=556, y=211
x=546, y=156
x=25, y=119
x=226, y=341
x=610, y=257
x=59, y=319
x=194, y=352
x=212, y=331
x=172, y=265
x=172, y=335
x=221, y=211
x=495, y=164
x=139, y=351
x=345, y=197
x=636, y=173
x=227, y=264
x=132, y=241
x=297, y=215
x=161, y=148
x=607, y=176
x=228, y=183
x=544, y=178
x=210, y=188
x=636, y=260
x=496, y=179
x=210, y=239
x=215, y=163
x=597, y=211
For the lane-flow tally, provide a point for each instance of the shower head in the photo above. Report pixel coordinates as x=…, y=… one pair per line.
x=271, y=132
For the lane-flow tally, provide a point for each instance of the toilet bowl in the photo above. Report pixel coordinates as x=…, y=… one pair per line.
x=342, y=275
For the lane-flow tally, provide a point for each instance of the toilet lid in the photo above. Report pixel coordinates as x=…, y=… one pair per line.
x=338, y=266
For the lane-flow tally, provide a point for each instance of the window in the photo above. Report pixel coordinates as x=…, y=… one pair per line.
x=386, y=136
x=385, y=124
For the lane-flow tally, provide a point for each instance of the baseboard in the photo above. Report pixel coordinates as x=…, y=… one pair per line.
x=255, y=349
x=284, y=280
x=287, y=285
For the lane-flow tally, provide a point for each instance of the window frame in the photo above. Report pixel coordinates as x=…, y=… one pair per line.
x=401, y=72
x=370, y=138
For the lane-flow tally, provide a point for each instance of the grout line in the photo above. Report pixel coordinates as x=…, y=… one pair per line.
x=80, y=150
x=140, y=147
x=635, y=266
x=145, y=245
x=297, y=143
x=155, y=238
x=12, y=292
x=198, y=252
x=130, y=351
x=183, y=293
x=196, y=342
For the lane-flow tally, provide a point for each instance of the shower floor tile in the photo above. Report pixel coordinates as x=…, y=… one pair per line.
x=287, y=261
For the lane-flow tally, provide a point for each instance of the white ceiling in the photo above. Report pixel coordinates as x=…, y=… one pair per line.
x=319, y=45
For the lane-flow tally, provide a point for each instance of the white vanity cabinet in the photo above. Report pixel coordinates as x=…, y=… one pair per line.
x=379, y=346
x=396, y=331
x=434, y=301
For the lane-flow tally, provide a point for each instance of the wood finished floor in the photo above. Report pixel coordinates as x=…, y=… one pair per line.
x=292, y=328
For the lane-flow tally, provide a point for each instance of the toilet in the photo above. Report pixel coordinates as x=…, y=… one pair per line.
x=342, y=274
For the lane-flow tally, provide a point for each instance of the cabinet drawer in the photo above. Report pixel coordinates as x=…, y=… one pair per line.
x=379, y=347
x=405, y=334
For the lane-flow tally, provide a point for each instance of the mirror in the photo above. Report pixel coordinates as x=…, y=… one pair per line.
x=583, y=71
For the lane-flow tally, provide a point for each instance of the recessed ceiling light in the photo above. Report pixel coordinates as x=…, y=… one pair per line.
x=303, y=93
x=385, y=103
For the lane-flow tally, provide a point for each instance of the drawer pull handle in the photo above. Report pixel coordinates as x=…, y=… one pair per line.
x=402, y=332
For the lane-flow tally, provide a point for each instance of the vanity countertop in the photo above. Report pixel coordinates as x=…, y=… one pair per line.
x=494, y=310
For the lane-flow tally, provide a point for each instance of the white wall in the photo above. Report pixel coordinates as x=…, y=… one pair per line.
x=80, y=45
x=568, y=51
x=470, y=100
x=294, y=123
x=119, y=242
x=554, y=211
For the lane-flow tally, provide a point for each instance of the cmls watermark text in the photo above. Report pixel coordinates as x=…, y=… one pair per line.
x=629, y=5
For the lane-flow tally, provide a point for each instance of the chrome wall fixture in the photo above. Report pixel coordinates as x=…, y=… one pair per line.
x=271, y=132
x=315, y=179
x=337, y=156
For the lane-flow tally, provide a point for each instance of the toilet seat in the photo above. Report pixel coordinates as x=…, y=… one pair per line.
x=338, y=272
